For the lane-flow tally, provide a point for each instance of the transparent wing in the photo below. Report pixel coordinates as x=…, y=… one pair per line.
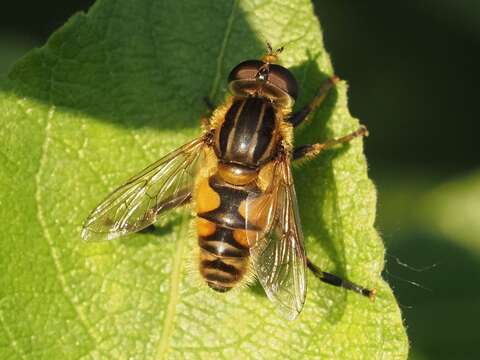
x=278, y=253
x=138, y=203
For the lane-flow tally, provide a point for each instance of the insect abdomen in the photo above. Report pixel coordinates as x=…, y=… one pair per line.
x=224, y=251
x=223, y=260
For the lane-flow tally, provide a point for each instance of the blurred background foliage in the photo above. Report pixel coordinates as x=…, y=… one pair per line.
x=413, y=70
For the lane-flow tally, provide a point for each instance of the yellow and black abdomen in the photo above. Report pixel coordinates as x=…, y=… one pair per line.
x=224, y=249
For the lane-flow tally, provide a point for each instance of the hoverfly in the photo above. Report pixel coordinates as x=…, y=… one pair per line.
x=238, y=176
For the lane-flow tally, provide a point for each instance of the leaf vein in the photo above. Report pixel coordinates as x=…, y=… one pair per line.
x=43, y=224
x=163, y=344
x=221, y=55
x=11, y=338
x=174, y=295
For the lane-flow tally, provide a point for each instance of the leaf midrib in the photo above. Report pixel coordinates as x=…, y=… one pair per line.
x=164, y=342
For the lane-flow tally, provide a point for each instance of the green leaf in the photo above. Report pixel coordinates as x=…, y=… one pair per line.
x=11, y=48
x=112, y=91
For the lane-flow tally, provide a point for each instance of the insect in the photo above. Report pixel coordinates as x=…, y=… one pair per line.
x=238, y=176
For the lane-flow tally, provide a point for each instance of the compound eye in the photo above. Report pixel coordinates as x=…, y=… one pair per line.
x=283, y=79
x=246, y=70
x=275, y=81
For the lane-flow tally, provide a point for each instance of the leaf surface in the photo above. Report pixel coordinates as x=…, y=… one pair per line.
x=112, y=91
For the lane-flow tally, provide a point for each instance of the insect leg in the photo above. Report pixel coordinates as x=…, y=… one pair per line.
x=205, y=120
x=338, y=281
x=303, y=114
x=148, y=230
x=210, y=105
x=183, y=197
x=310, y=151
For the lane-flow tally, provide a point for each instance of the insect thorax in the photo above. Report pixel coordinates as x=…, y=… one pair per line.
x=249, y=133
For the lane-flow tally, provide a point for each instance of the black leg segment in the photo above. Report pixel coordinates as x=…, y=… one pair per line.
x=183, y=197
x=209, y=103
x=338, y=281
x=310, y=151
x=300, y=116
x=303, y=151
